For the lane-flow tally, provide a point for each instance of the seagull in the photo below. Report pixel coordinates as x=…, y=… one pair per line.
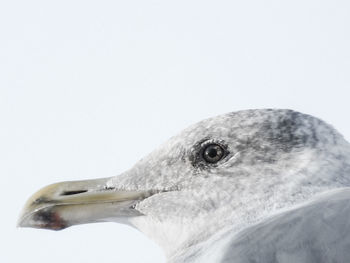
x=263, y=185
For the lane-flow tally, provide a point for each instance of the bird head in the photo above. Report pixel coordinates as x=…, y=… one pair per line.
x=232, y=169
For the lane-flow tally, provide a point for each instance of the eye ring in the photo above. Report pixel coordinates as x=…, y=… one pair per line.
x=213, y=153
x=208, y=153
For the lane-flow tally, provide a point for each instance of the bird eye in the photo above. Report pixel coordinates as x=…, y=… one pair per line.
x=213, y=153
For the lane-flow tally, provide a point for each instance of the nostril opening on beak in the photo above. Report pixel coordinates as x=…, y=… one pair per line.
x=73, y=192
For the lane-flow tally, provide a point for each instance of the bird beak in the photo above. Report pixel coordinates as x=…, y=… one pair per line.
x=61, y=205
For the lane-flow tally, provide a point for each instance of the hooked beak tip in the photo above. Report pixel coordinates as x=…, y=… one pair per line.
x=46, y=218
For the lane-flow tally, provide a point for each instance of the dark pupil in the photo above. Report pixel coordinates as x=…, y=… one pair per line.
x=212, y=152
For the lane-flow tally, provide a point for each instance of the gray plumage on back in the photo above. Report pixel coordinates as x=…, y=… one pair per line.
x=248, y=186
x=317, y=231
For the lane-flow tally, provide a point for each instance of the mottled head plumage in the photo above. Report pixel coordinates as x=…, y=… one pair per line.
x=272, y=161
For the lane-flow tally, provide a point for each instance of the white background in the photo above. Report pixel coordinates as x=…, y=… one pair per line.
x=89, y=87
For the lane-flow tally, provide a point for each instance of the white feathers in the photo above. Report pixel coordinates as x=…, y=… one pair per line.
x=277, y=160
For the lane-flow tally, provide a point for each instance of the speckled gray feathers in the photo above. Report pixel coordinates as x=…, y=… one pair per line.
x=276, y=160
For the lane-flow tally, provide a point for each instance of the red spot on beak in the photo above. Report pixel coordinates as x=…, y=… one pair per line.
x=49, y=219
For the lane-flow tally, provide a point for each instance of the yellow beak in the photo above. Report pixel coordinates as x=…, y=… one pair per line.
x=64, y=204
